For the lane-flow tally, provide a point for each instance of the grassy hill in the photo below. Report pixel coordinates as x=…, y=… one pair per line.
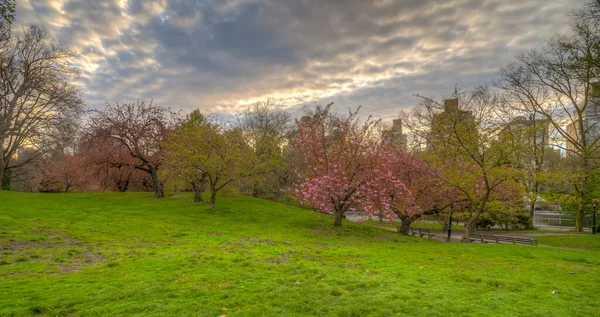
x=130, y=254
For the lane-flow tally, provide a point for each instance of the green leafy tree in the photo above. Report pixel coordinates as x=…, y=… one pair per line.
x=462, y=146
x=266, y=126
x=206, y=153
x=179, y=166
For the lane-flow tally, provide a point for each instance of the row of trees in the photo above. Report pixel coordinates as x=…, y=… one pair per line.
x=482, y=150
x=560, y=86
x=473, y=154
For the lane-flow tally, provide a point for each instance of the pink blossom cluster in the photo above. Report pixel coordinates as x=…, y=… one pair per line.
x=345, y=168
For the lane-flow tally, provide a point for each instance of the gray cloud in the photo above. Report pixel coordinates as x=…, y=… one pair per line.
x=220, y=55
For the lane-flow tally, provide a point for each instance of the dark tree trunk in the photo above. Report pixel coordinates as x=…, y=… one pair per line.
x=338, y=214
x=2, y=165
x=213, y=198
x=579, y=217
x=6, y=177
x=470, y=225
x=583, y=195
x=531, y=211
x=198, y=189
x=158, y=188
x=405, y=225
x=123, y=185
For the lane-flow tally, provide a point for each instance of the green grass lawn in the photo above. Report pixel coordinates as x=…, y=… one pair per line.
x=586, y=242
x=130, y=254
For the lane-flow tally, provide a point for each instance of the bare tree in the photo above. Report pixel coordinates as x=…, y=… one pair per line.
x=37, y=96
x=528, y=132
x=559, y=84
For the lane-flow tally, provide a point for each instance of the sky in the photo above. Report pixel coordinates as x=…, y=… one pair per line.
x=221, y=56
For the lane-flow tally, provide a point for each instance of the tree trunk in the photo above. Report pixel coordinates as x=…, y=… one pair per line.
x=6, y=178
x=197, y=191
x=123, y=186
x=338, y=214
x=213, y=198
x=583, y=194
x=579, y=217
x=581, y=209
x=405, y=225
x=531, y=212
x=158, y=188
x=469, y=227
x=2, y=167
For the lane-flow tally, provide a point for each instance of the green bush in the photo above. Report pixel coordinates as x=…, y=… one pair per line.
x=485, y=221
x=521, y=221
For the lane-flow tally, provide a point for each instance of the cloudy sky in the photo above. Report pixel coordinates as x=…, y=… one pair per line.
x=220, y=56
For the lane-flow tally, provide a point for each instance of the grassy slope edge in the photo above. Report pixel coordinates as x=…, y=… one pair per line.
x=125, y=254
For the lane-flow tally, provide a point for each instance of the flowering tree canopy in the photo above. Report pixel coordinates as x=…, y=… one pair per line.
x=139, y=128
x=339, y=170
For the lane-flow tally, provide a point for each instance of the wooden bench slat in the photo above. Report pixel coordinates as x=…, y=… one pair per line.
x=487, y=238
x=421, y=232
x=483, y=238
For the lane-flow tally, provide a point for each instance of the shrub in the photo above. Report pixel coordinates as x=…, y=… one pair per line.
x=485, y=221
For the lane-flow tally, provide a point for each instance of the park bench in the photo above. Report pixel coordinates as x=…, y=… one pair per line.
x=421, y=232
x=490, y=238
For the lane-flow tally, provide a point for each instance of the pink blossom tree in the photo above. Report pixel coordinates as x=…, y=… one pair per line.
x=137, y=129
x=66, y=174
x=338, y=159
x=404, y=187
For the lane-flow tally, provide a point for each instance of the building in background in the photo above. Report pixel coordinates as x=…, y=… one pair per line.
x=591, y=122
x=536, y=132
x=395, y=137
x=446, y=125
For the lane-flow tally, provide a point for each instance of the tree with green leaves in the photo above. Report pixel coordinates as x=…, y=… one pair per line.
x=178, y=164
x=266, y=126
x=204, y=152
x=463, y=149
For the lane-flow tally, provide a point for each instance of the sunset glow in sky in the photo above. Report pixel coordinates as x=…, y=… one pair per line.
x=221, y=55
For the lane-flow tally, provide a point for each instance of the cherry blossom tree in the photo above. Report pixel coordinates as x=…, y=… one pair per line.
x=404, y=187
x=66, y=174
x=338, y=156
x=111, y=162
x=137, y=127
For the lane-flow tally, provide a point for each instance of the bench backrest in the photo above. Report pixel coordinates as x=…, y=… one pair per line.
x=497, y=239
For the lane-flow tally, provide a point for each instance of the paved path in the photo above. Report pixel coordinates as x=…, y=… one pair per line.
x=442, y=235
